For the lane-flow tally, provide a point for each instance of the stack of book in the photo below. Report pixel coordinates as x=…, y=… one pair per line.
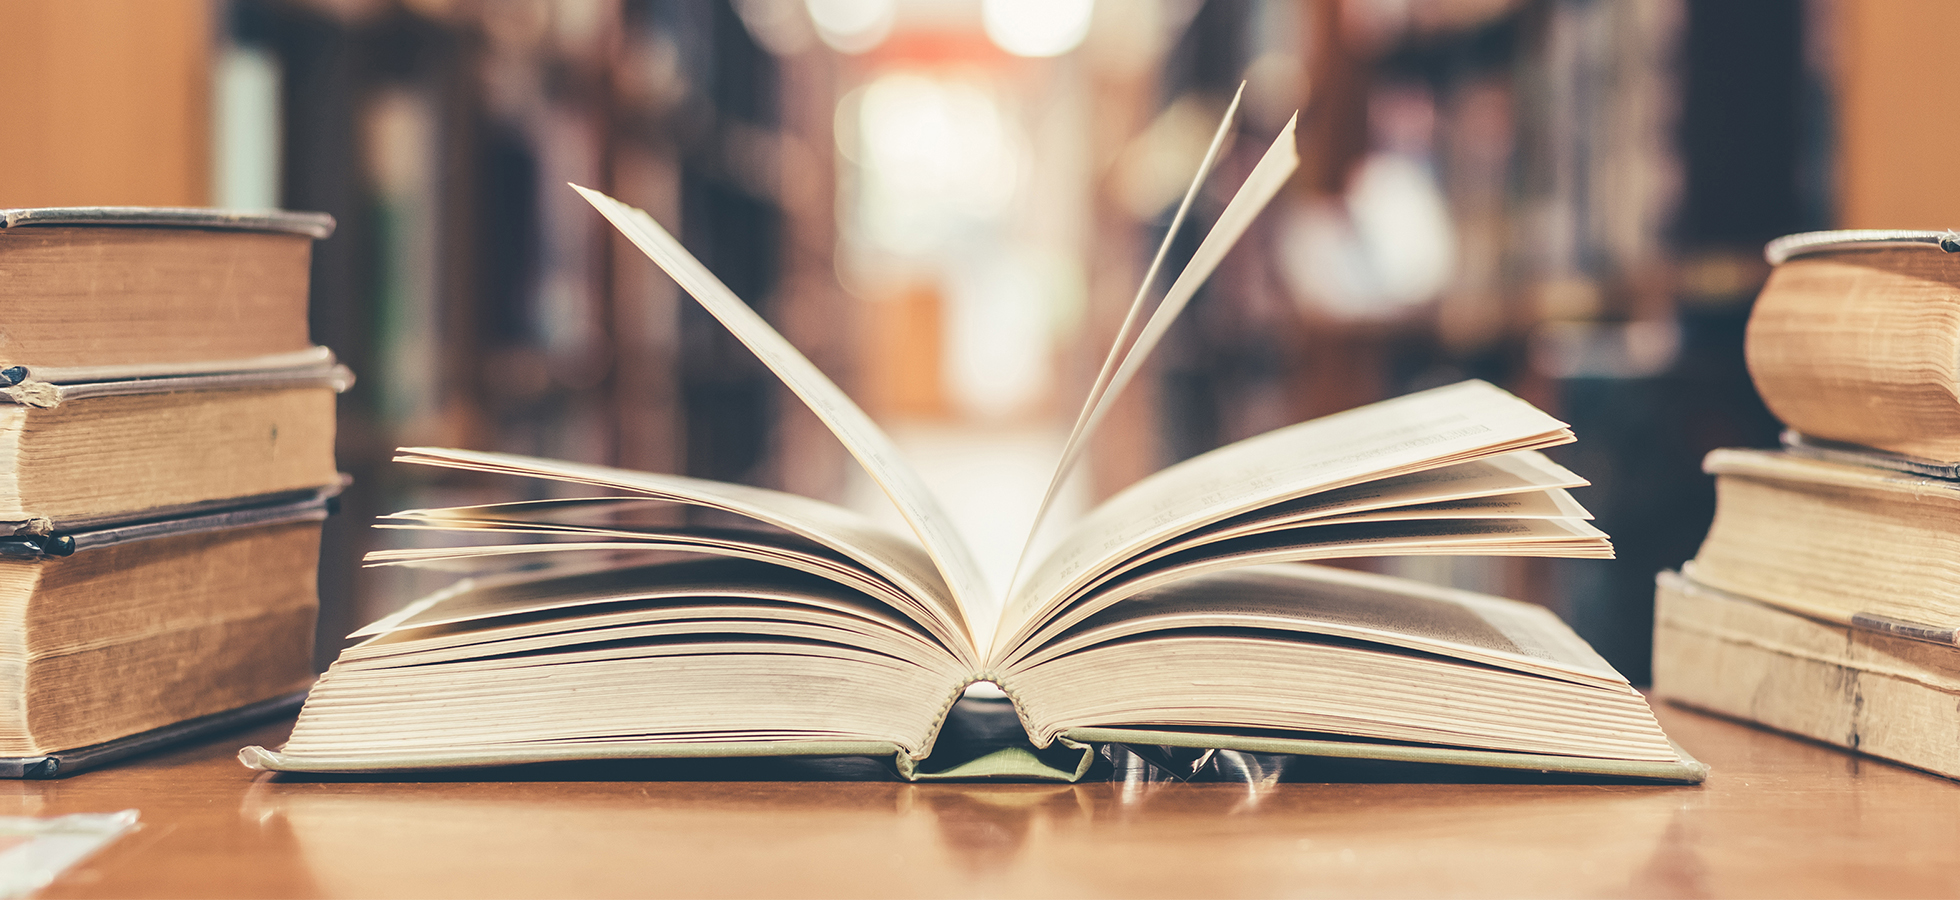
x=166, y=458
x=1826, y=596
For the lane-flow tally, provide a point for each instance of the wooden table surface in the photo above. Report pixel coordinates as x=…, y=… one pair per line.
x=1779, y=818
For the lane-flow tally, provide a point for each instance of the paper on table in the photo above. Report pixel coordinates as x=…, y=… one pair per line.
x=35, y=851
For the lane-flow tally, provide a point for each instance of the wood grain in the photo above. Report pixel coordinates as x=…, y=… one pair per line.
x=1779, y=817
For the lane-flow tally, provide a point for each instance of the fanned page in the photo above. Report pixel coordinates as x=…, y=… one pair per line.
x=1358, y=606
x=1260, y=187
x=889, y=556
x=873, y=449
x=1430, y=429
x=1126, y=334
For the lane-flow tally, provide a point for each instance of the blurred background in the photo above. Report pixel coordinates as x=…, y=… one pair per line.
x=948, y=205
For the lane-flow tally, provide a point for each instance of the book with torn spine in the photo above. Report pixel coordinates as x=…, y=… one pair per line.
x=728, y=620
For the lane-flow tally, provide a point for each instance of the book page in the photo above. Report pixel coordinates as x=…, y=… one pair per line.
x=1359, y=605
x=1271, y=174
x=1433, y=428
x=503, y=616
x=1568, y=538
x=639, y=524
x=704, y=583
x=1276, y=685
x=1550, y=504
x=978, y=605
x=1125, y=335
x=1512, y=476
x=892, y=555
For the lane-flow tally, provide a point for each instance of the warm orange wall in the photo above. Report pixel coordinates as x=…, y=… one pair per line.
x=105, y=102
x=1899, y=125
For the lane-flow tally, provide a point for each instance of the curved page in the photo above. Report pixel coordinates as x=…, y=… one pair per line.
x=1382, y=609
x=1551, y=504
x=1267, y=178
x=494, y=617
x=1522, y=485
x=977, y=604
x=1567, y=538
x=893, y=556
x=638, y=524
x=1126, y=334
x=1426, y=430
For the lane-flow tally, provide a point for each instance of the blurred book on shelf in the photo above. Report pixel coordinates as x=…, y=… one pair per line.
x=169, y=460
x=476, y=296
x=1822, y=599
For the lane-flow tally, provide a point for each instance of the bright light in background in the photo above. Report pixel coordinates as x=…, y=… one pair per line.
x=1036, y=27
x=852, y=26
x=934, y=155
x=1002, y=313
x=1385, y=248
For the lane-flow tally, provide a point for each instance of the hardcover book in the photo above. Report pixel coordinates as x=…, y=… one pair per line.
x=1833, y=540
x=80, y=450
x=728, y=620
x=1855, y=339
x=1868, y=689
x=152, y=289
x=123, y=636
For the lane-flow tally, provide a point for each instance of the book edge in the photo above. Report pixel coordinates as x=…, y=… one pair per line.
x=315, y=225
x=1685, y=768
x=68, y=762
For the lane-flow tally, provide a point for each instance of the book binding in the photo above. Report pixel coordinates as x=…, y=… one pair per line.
x=317, y=226
x=1791, y=246
x=69, y=762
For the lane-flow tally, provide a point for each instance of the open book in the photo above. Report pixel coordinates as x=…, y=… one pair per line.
x=736, y=621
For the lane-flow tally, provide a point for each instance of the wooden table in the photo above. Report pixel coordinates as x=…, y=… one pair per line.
x=1779, y=817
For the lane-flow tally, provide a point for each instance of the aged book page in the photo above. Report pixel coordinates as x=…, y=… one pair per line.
x=895, y=557
x=1430, y=429
x=873, y=449
x=1863, y=346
